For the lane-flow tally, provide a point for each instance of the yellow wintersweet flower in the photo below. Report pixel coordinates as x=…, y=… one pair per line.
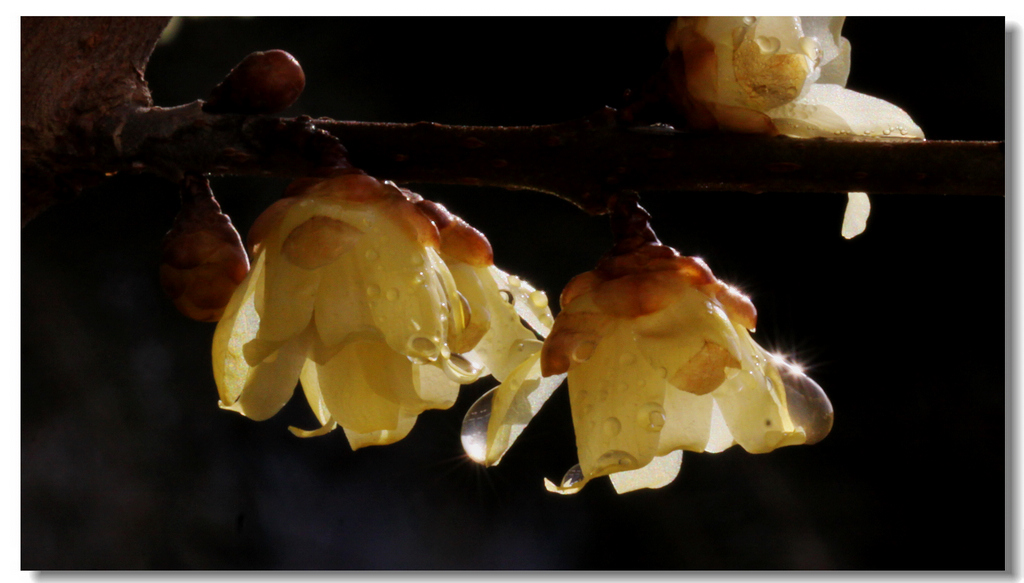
x=380, y=302
x=778, y=75
x=660, y=359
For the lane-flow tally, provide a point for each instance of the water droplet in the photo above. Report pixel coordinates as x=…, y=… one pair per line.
x=651, y=417
x=808, y=405
x=417, y=279
x=514, y=281
x=887, y=132
x=507, y=296
x=416, y=259
x=769, y=45
x=748, y=20
x=373, y=291
x=460, y=369
x=539, y=299
x=811, y=48
x=572, y=477
x=627, y=358
x=663, y=372
x=474, y=428
x=371, y=255
x=525, y=346
x=391, y=294
x=903, y=132
x=611, y=427
x=615, y=460
x=583, y=351
x=423, y=347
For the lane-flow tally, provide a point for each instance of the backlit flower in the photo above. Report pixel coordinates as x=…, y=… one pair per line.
x=381, y=302
x=778, y=75
x=660, y=360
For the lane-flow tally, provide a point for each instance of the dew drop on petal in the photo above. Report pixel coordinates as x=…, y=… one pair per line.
x=810, y=48
x=373, y=291
x=748, y=20
x=809, y=407
x=611, y=426
x=422, y=347
x=582, y=351
x=539, y=299
x=615, y=460
x=663, y=372
x=514, y=281
x=460, y=369
x=507, y=296
x=417, y=279
x=416, y=259
x=391, y=294
x=651, y=417
x=769, y=45
x=474, y=427
x=573, y=476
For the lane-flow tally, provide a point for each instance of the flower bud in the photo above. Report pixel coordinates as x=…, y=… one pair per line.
x=263, y=83
x=202, y=259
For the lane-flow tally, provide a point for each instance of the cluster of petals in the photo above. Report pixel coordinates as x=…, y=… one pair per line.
x=779, y=75
x=380, y=302
x=660, y=360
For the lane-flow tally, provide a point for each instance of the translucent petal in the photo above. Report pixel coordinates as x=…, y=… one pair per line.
x=310, y=382
x=382, y=437
x=673, y=339
x=341, y=306
x=855, y=219
x=286, y=300
x=322, y=430
x=365, y=385
x=271, y=383
x=659, y=473
x=530, y=303
x=478, y=316
x=613, y=396
x=512, y=405
x=830, y=110
x=237, y=327
x=753, y=404
x=434, y=388
x=507, y=342
x=687, y=421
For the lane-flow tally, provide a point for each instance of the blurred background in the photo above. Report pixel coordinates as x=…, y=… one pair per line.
x=127, y=463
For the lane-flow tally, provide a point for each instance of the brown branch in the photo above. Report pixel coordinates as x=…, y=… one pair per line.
x=75, y=73
x=583, y=161
x=86, y=114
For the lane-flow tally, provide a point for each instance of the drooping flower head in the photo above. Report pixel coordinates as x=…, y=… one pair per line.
x=660, y=360
x=381, y=302
x=778, y=75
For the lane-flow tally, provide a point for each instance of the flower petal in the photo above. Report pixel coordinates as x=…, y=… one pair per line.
x=237, y=327
x=855, y=219
x=659, y=473
x=829, y=110
x=364, y=385
x=617, y=404
x=382, y=437
x=272, y=382
x=511, y=406
x=753, y=403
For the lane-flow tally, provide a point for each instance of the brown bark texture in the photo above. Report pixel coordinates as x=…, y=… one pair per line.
x=87, y=114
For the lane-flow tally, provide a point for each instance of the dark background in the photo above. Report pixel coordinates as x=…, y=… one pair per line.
x=128, y=463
